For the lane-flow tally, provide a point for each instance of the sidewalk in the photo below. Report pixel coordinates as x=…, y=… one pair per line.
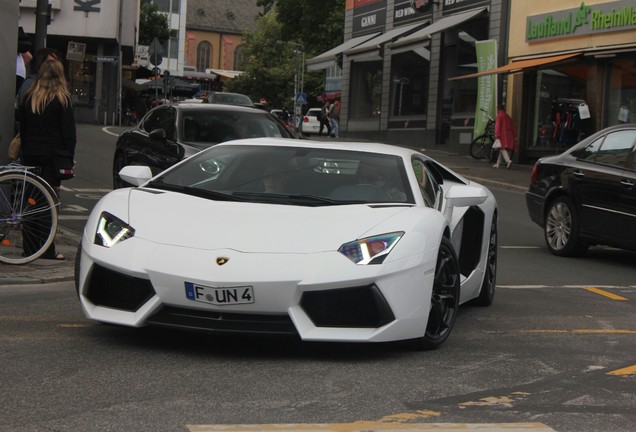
x=47, y=271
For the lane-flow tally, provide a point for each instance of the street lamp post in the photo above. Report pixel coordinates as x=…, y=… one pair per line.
x=299, y=77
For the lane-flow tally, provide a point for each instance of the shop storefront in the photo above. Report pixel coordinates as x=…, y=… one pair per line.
x=591, y=84
x=96, y=42
x=396, y=59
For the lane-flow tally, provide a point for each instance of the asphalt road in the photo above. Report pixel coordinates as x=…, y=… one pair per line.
x=554, y=352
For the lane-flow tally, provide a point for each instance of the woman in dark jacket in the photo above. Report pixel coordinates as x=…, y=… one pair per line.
x=47, y=126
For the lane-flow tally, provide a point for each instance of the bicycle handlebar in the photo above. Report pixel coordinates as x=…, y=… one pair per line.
x=487, y=113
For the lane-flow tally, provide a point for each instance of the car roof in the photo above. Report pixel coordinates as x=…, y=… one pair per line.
x=215, y=107
x=340, y=145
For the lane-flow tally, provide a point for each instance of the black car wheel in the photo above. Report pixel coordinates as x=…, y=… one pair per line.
x=561, y=228
x=118, y=164
x=487, y=292
x=444, y=300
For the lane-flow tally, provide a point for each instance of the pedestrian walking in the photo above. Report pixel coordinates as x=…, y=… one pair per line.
x=334, y=115
x=324, y=119
x=47, y=130
x=505, y=133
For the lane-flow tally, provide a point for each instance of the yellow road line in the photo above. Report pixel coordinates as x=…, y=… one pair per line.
x=582, y=331
x=605, y=293
x=630, y=370
x=374, y=426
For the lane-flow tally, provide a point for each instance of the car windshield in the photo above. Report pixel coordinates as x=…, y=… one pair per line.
x=291, y=175
x=213, y=127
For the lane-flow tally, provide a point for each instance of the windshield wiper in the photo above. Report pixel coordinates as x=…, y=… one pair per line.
x=298, y=199
x=202, y=193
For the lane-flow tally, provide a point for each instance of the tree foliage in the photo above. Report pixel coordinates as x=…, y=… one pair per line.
x=152, y=23
x=304, y=29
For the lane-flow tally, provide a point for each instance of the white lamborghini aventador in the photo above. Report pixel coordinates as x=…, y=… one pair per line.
x=329, y=241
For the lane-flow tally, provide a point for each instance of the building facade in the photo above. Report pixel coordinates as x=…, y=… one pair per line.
x=397, y=57
x=97, y=40
x=581, y=75
x=213, y=50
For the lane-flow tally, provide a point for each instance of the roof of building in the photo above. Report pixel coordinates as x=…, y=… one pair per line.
x=223, y=16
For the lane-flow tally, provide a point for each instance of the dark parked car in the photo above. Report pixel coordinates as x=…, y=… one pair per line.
x=587, y=195
x=170, y=133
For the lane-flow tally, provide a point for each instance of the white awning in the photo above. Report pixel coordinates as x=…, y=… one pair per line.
x=224, y=72
x=371, y=48
x=415, y=39
x=328, y=58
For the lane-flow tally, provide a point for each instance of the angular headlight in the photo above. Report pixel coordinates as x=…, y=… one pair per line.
x=112, y=230
x=371, y=250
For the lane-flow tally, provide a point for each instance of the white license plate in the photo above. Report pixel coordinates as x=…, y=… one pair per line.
x=220, y=296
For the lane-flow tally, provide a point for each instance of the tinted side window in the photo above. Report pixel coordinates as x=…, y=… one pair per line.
x=427, y=184
x=613, y=149
x=153, y=120
x=616, y=147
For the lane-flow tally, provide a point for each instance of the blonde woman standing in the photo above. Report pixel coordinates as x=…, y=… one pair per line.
x=47, y=126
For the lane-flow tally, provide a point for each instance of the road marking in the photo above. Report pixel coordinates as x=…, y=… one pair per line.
x=375, y=426
x=582, y=331
x=74, y=208
x=605, y=293
x=105, y=130
x=72, y=217
x=565, y=286
x=521, y=247
x=630, y=370
x=96, y=190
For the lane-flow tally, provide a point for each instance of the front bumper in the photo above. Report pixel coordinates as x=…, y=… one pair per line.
x=320, y=296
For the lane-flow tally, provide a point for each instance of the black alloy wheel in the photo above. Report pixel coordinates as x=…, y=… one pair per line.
x=444, y=299
x=561, y=228
x=487, y=292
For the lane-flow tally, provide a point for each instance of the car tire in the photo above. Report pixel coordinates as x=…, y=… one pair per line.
x=444, y=299
x=118, y=163
x=487, y=291
x=561, y=228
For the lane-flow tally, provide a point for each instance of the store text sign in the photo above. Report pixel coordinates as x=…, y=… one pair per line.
x=584, y=20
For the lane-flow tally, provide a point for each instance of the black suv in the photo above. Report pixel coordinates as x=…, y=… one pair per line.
x=170, y=133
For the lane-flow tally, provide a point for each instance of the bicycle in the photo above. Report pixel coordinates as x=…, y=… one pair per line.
x=28, y=214
x=482, y=145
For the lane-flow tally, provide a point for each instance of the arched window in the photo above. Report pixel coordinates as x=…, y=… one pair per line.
x=238, y=57
x=204, y=54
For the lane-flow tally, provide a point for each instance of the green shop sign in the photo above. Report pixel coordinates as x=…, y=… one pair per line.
x=585, y=20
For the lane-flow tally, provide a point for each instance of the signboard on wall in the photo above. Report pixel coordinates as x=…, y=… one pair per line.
x=448, y=5
x=370, y=16
x=584, y=20
x=406, y=11
x=75, y=51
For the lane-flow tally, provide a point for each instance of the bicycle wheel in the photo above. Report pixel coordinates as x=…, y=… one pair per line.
x=480, y=147
x=28, y=217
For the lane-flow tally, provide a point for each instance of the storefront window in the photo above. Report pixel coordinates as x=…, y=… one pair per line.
x=622, y=93
x=409, y=90
x=562, y=111
x=82, y=82
x=366, y=90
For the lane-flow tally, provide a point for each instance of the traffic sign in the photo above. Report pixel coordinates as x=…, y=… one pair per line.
x=301, y=98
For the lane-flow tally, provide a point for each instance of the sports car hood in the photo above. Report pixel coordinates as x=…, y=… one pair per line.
x=183, y=220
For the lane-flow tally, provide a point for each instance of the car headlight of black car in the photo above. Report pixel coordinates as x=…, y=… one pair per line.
x=112, y=230
x=371, y=250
